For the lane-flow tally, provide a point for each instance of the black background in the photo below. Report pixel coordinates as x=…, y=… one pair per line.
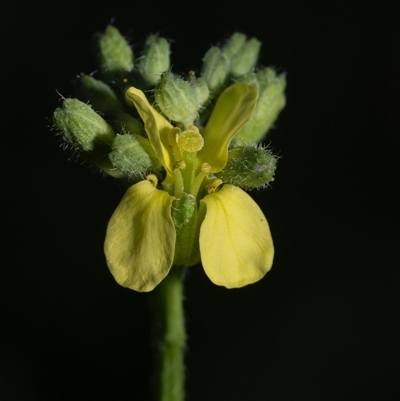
x=322, y=325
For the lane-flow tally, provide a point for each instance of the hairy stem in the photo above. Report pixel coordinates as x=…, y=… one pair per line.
x=169, y=337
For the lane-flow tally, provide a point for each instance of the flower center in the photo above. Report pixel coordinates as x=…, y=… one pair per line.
x=189, y=176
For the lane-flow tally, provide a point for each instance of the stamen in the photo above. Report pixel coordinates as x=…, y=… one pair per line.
x=173, y=136
x=153, y=179
x=180, y=164
x=214, y=185
x=205, y=168
x=179, y=185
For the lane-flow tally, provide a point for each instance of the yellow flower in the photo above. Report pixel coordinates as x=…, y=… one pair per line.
x=153, y=229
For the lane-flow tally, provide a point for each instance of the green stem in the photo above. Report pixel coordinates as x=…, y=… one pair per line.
x=170, y=336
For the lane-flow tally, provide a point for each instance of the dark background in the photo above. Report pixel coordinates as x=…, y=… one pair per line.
x=322, y=325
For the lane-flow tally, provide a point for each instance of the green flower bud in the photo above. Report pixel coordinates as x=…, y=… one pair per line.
x=177, y=99
x=215, y=69
x=154, y=60
x=271, y=101
x=97, y=93
x=202, y=91
x=248, y=167
x=81, y=126
x=245, y=61
x=234, y=44
x=115, y=54
x=250, y=79
x=100, y=159
x=125, y=123
x=133, y=155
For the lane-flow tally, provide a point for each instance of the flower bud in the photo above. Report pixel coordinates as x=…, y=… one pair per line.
x=154, y=60
x=115, y=54
x=250, y=79
x=234, y=44
x=271, y=101
x=201, y=88
x=215, y=69
x=97, y=93
x=248, y=167
x=125, y=123
x=99, y=158
x=133, y=155
x=81, y=126
x=242, y=53
x=177, y=99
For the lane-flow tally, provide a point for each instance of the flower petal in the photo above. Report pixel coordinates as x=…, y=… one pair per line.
x=156, y=126
x=235, y=242
x=232, y=110
x=140, y=239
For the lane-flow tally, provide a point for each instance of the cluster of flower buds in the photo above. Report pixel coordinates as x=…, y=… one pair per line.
x=108, y=132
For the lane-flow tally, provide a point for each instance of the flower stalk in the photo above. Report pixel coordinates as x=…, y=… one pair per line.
x=169, y=337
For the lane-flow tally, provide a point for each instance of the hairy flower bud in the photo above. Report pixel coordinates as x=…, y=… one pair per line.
x=242, y=53
x=126, y=124
x=81, y=126
x=234, y=44
x=201, y=88
x=248, y=167
x=133, y=155
x=177, y=99
x=215, y=69
x=154, y=60
x=271, y=101
x=115, y=54
x=97, y=93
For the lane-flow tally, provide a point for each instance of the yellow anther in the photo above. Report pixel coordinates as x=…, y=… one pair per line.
x=153, y=179
x=173, y=136
x=205, y=168
x=214, y=185
x=180, y=164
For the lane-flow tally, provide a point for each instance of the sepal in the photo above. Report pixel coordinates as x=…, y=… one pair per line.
x=154, y=59
x=81, y=126
x=215, y=70
x=270, y=102
x=177, y=99
x=132, y=154
x=249, y=167
x=115, y=55
x=242, y=53
x=97, y=93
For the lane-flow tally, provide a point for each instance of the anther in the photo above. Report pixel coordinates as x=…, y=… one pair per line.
x=214, y=185
x=153, y=179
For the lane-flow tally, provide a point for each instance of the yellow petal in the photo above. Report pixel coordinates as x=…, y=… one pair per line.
x=233, y=109
x=235, y=242
x=156, y=126
x=140, y=239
